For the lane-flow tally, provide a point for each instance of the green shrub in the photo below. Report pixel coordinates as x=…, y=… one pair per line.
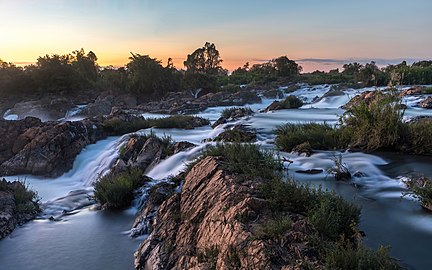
x=236, y=135
x=375, y=125
x=25, y=199
x=417, y=137
x=273, y=228
x=244, y=159
x=344, y=255
x=116, y=190
x=291, y=102
x=289, y=196
x=230, y=112
x=319, y=136
x=428, y=90
x=334, y=216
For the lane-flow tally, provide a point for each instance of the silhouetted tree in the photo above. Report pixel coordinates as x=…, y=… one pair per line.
x=204, y=60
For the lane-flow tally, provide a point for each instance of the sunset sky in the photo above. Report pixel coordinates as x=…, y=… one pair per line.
x=320, y=34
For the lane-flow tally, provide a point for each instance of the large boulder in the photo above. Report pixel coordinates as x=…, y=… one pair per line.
x=145, y=152
x=46, y=109
x=105, y=102
x=203, y=227
x=47, y=149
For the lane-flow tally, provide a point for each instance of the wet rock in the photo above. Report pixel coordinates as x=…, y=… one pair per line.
x=275, y=94
x=17, y=206
x=291, y=102
x=303, y=148
x=47, y=149
x=155, y=197
x=185, y=103
x=145, y=152
x=182, y=146
x=415, y=90
x=232, y=115
x=427, y=103
x=46, y=109
x=105, y=102
x=310, y=171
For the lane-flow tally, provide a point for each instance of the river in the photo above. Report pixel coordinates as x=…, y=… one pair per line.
x=89, y=238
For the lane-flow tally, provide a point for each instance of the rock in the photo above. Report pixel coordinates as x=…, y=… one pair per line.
x=275, y=105
x=156, y=196
x=310, y=171
x=291, y=102
x=185, y=103
x=182, y=146
x=427, y=103
x=14, y=211
x=46, y=109
x=232, y=114
x=105, y=102
x=145, y=152
x=201, y=228
x=47, y=149
x=303, y=148
x=275, y=94
x=415, y=90
x=239, y=133
x=367, y=97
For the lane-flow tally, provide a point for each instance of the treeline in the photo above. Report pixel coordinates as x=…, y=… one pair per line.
x=147, y=78
x=371, y=75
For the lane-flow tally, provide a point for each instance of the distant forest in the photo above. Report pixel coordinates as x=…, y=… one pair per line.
x=149, y=78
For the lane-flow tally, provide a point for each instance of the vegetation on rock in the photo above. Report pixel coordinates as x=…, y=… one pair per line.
x=117, y=190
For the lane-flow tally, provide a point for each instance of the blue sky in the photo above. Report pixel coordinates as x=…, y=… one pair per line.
x=242, y=30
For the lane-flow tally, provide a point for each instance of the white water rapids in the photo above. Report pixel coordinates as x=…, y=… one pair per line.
x=85, y=238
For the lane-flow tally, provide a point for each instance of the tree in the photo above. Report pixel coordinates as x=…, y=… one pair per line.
x=352, y=68
x=204, y=60
x=149, y=79
x=286, y=68
x=85, y=65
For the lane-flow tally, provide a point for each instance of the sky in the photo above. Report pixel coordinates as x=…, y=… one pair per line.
x=319, y=34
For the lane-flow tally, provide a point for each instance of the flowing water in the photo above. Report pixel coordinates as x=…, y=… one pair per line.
x=72, y=233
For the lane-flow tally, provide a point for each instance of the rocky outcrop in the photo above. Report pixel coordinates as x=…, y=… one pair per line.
x=367, y=97
x=210, y=224
x=145, y=152
x=46, y=109
x=49, y=149
x=232, y=115
x=427, y=103
x=415, y=90
x=185, y=103
x=275, y=94
x=291, y=102
x=105, y=102
x=17, y=206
